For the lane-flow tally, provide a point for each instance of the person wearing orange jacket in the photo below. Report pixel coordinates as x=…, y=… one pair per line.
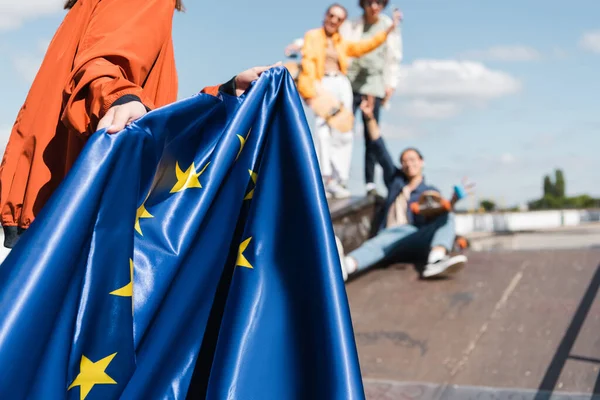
x=324, y=65
x=109, y=63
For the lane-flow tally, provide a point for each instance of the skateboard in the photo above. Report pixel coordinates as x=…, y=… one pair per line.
x=325, y=105
x=430, y=204
x=461, y=244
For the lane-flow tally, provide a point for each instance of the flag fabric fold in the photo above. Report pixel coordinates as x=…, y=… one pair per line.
x=189, y=256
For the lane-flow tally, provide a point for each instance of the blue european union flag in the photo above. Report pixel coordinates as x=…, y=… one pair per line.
x=189, y=256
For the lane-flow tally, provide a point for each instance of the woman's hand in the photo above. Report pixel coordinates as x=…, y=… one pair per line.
x=117, y=117
x=292, y=49
x=244, y=79
x=467, y=188
x=367, y=106
x=397, y=17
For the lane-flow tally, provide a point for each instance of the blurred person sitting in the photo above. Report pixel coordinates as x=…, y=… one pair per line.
x=403, y=236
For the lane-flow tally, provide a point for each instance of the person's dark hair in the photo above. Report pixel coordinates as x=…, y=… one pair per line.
x=361, y=3
x=338, y=5
x=178, y=5
x=410, y=149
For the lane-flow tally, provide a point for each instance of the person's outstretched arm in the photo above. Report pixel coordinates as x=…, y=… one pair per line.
x=376, y=141
x=122, y=41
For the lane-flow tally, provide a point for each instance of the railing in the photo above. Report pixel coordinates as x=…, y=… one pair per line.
x=523, y=221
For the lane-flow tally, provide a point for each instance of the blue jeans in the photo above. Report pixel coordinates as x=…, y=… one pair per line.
x=406, y=243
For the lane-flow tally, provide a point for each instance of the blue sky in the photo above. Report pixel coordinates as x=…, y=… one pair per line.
x=502, y=92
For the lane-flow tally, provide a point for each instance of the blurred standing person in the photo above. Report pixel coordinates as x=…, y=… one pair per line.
x=375, y=74
x=324, y=67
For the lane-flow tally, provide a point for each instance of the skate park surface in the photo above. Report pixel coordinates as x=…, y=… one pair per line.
x=520, y=322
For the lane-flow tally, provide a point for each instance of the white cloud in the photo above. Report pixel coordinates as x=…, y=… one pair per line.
x=14, y=12
x=559, y=53
x=451, y=79
x=4, y=135
x=43, y=44
x=430, y=109
x=507, y=158
x=504, y=53
x=27, y=66
x=390, y=131
x=590, y=41
x=435, y=89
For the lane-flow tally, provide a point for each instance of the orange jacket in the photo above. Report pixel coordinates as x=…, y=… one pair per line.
x=103, y=50
x=313, y=56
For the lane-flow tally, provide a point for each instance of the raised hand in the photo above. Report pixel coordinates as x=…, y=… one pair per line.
x=244, y=79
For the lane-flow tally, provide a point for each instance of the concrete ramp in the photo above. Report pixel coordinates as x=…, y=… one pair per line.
x=382, y=390
x=512, y=325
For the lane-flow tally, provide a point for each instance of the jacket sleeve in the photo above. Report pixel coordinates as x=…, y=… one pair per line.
x=121, y=43
x=383, y=158
x=360, y=48
x=308, y=72
x=346, y=30
x=228, y=87
x=298, y=42
x=393, y=58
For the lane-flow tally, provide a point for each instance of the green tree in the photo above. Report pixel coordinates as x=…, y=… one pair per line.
x=559, y=184
x=546, y=203
x=548, y=186
x=583, y=201
x=487, y=205
x=555, y=196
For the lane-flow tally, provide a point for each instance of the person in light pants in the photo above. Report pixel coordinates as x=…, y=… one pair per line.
x=334, y=148
x=375, y=74
x=325, y=55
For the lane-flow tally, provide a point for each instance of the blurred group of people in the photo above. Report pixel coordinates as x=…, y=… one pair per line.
x=104, y=69
x=357, y=62
x=351, y=59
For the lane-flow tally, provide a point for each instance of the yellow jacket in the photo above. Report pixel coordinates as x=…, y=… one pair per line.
x=313, y=56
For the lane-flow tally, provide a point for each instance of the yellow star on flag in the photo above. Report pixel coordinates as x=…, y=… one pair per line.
x=127, y=290
x=253, y=176
x=91, y=374
x=241, y=260
x=188, y=179
x=141, y=213
x=242, y=143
